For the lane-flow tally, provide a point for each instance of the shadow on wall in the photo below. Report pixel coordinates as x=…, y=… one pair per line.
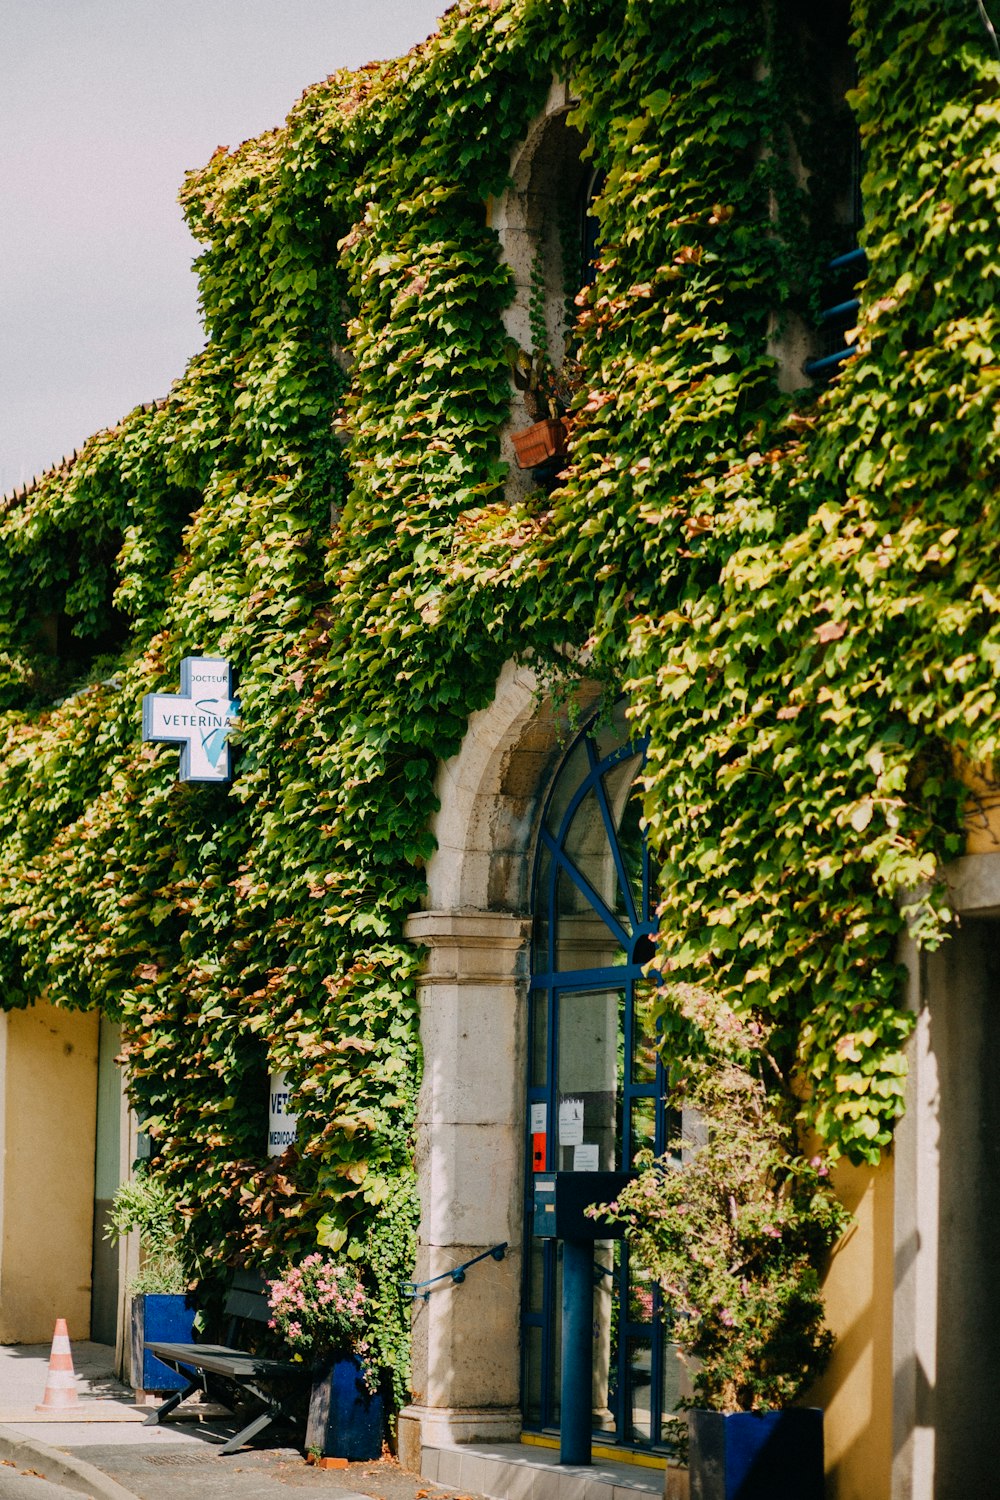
x=856, y=1391
x=956, y=1402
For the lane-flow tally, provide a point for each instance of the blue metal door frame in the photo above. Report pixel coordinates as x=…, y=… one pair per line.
x=550, y=985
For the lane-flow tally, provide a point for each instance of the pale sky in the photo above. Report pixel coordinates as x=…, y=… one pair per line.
x=104, y=106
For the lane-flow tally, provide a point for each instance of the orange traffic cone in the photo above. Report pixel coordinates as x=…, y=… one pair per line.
x=60, y=1388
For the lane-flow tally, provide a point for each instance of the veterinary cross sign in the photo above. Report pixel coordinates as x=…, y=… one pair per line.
x=198, y=718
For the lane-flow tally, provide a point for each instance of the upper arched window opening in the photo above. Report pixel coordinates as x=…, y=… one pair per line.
x=550, y=234
x=548, y=228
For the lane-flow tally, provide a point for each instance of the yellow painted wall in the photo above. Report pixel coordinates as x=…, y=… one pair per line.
x=48, y=1072
x=856, y=1391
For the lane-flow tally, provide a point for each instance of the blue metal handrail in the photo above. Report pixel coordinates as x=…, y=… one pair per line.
x=420, y=1290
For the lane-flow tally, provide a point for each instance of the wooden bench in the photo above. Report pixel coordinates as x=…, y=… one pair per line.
x=222, y=1371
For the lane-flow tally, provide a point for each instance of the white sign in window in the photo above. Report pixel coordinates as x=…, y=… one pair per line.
x=570, y=1122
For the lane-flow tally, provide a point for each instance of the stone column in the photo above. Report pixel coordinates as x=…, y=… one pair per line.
x=470, y=1150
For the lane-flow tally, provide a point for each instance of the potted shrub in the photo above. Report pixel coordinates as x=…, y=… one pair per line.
x=734, y=1223
x=161, y=1309
x=319, y=1307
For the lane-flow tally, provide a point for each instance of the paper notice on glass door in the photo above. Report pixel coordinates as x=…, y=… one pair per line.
x=587, y=1157
x=539, y=1124
x=571, y=1122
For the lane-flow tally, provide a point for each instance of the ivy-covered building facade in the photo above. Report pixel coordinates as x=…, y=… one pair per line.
x=691, y=699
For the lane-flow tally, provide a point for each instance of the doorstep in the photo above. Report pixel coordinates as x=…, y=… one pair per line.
x=522, y=1471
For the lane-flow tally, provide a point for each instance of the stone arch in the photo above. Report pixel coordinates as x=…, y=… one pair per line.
x=490, y=794
x=473, y=1007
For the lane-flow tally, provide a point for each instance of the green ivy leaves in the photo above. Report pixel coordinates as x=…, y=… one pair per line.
x=799, y=592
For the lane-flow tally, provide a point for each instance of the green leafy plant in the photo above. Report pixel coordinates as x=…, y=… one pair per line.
x=734, y=1223
x=148, y=1205
x=547, y=391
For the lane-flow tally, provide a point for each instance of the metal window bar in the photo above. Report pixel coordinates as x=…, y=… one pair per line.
x=853, y=263
x=421, y=1290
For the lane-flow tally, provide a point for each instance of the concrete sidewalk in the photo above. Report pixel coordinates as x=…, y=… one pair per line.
x=101, y=1448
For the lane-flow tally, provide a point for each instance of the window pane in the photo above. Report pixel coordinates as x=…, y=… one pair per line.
x=643, y=1125
x=628, y=812
x=587, y=1080
x=643, y=1122
x=674, y=1386
x=609, y=736
x=618, y=784
x=644, y=1033
x=640, y=1353
x=543, y=914
x=605, y=1335
x=556, y=1341
x=536, y=1274
x=567, y=782
x=539, y=1039
x=588, y=844
x=640, y=1294
x=533, y=1375
x=624, y=997
x=583, y=938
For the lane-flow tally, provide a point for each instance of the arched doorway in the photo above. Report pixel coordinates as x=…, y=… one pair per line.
x=596, y=1085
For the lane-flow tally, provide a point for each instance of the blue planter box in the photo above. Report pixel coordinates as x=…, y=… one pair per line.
x=746, y=1456
x=345, y=1419
x=161, y=1317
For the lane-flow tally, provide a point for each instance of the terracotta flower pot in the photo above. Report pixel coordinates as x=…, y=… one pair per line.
x=540, y=442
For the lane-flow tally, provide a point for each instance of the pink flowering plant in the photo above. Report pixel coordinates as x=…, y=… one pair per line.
x=735, y=1223
x=318, y=1307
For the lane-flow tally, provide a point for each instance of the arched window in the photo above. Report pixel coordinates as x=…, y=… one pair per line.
x=596, y=1085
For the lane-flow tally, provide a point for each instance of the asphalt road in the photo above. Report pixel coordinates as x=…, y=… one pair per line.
x=178, y=1472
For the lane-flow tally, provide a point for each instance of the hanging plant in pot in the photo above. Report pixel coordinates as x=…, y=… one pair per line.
x=734, y=1223
x=319, y=1308
x=547, y=394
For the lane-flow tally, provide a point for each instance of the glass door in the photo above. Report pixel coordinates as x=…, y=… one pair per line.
x=596, y=1087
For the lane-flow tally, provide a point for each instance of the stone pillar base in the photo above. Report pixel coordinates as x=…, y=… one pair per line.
x=420, y=1427
x=676, y=1483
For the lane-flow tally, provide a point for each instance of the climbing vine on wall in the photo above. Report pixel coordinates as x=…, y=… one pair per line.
x=800, y=593
x=798, y=590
